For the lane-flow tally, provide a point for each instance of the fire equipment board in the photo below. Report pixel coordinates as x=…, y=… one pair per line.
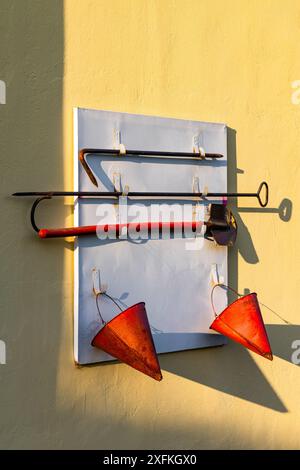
x=172, y=275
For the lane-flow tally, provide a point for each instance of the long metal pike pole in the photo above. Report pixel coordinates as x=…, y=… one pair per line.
x=147, y=194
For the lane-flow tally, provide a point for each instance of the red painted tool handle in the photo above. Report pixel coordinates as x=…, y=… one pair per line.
x=67, y=232
x=136, y=226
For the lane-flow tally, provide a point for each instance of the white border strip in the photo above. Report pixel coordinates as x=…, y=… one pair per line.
x=76, y=250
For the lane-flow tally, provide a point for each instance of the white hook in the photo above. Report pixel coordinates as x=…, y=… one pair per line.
x=117, y=142
x=197, y=148
x=215, y=277
x=97, y=287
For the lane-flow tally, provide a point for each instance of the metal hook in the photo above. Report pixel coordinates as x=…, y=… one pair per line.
x=33, y=209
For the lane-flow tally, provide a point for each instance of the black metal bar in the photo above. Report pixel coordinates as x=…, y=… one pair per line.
x=65, y=193
x=151, y=153
x=140, y=154
x=147, y=194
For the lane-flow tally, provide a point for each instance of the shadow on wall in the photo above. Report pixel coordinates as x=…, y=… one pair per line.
x=231, y=369
x=281, y=338
x=31, y=273
x=244, y=244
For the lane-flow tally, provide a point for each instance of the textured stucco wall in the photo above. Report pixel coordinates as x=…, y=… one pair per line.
x=229, y=61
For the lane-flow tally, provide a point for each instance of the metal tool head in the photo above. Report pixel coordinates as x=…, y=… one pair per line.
x=221, y=226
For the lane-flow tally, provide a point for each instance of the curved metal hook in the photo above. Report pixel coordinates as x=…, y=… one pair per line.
x=82, y=159
x=33, y=209
x=258, y=194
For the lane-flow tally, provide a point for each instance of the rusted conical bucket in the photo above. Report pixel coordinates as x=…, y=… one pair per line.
x=242, y=322
x=128, y=337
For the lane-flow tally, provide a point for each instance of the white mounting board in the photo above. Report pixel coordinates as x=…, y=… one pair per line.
x=171, y=276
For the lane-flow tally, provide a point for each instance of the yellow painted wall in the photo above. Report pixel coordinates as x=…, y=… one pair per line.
x=231, y=61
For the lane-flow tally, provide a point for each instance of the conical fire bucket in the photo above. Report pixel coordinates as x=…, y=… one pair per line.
x=242, y=322
x=128, y=337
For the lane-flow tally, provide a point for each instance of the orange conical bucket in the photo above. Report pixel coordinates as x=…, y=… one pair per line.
x=128, y=337
x=242, y=322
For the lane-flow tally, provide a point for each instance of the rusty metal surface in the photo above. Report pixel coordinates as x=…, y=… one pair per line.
x=242, y=322
x=128, y=337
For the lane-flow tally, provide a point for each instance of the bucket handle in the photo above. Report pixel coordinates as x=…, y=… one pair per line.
x=212, y=292
x=241, y=295
x=98, y=308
